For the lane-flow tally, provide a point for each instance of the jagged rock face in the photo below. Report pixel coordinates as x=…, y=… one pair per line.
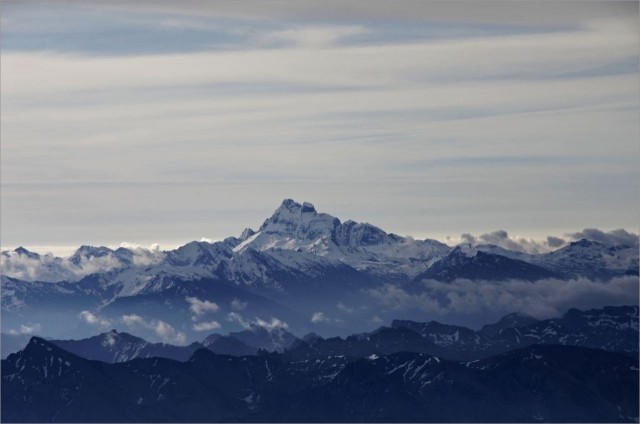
x=353, y=234
x=300, y=221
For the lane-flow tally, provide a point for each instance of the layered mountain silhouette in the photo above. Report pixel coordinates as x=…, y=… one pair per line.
x=302, y=272
x=116, y=346
x=613, y=329
x=537, y=383
x=297, y=263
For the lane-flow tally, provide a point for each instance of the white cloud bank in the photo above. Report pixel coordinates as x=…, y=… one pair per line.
x=501, y=238
x=541, y=299
x=30, y=266
x=615, y=238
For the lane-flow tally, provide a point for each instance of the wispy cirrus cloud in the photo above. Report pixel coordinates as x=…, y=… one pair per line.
x=403, y=93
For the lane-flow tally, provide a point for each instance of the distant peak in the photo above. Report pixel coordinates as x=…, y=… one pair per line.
x=38, y=343
x=35, y=340
x=22, y=251
x=93, y=250
x=466, y=249
x=248, y=232
x=308, y=208
x=584, y=243
x=293, y=206
x=289, y=204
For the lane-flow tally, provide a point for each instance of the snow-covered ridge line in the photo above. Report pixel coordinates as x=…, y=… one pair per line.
x=296, y=236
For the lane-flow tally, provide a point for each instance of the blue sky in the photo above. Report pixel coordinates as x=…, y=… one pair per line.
x=167, y=122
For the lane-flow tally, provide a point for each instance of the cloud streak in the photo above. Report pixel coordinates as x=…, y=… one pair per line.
x=206, y=326
x=272, y=325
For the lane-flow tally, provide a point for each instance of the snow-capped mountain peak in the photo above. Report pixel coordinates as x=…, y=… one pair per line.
x=300, y=221
x=22, y=251
x=248, y=232
x=465, y=250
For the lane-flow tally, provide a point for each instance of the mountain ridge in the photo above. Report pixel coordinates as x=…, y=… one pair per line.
x=303, y=267
x=520, y=385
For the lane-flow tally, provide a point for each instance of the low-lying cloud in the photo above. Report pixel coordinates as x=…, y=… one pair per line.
x=272, y=325
x=322, y=318
x=201, y=307
x=206, y=326
x=30, y=266
x=345, y=308
x=618, y=237
x=541, y=299
x=165, y=331
x=27, y=329
x=238, y=305
x=93, y=319
x=502, y=239
x=319, y=317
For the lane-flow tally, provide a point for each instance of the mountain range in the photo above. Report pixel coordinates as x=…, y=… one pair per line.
x=581, y=367
x=540, y=383
x=309, y=270
x=285, y=324
x=613, y=329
